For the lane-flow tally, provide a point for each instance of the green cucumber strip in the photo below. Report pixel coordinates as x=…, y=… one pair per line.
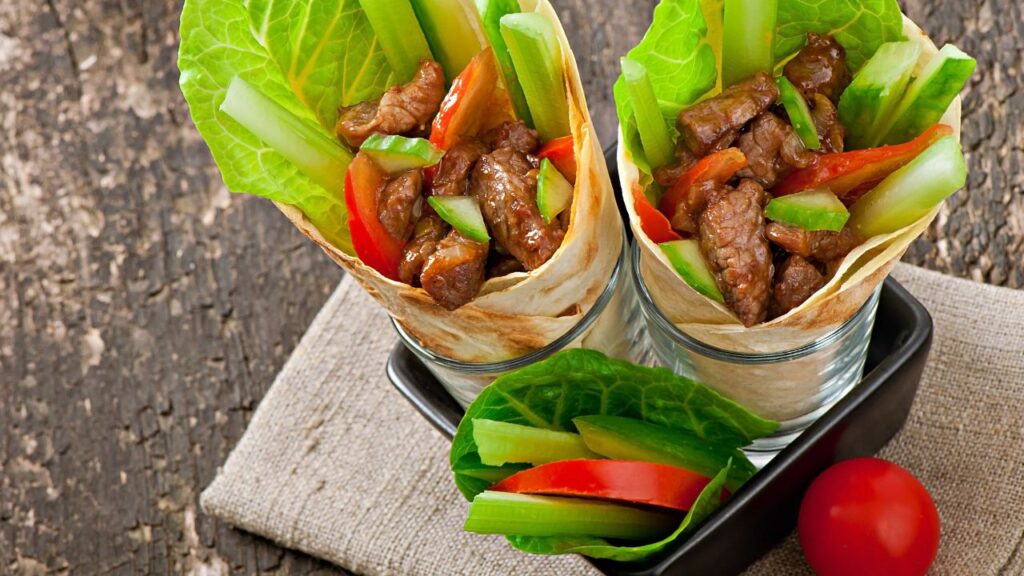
x=491, y=12
x=685, y=256
x=809, y=210
x=654, y=132
x=453, y=30
x=554, y=192
x=798, y=112
x=621, y=438
x=501, y=443
x=493, y=475
x=398, y=153
x=526, y=515
x=867, y=104
x=930, y=94
x=537, y=58
x=748, y=44
x=316, y=155
x=399, y=34
x=463, y=213
x=912, y=191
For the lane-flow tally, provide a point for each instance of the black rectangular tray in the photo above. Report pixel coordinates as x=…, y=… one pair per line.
x=764, y=511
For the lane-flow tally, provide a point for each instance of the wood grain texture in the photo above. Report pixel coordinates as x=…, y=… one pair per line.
x=144, y=311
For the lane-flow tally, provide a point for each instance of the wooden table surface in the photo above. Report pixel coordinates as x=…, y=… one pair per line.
x=144, y=311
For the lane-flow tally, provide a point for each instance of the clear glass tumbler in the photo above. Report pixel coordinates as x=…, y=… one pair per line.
x=794, y=386
x=613, y=325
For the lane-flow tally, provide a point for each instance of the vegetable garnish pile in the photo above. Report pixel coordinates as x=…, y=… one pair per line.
x=771, y=139
x=584, y=454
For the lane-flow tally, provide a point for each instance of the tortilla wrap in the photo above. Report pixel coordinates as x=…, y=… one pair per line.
x=515, y=314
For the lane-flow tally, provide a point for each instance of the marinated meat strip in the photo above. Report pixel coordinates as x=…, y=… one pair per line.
x=796, y=279
x=773, y=149
x=502, y=265
x=819, y=68
x=715, y=123
x=452, y=178
x=516, y=135
x=400, y=203
x=732, y=240
x=826, y=121
x=505, y=183
x=454, y=273
x=401, y=110
x=429, y=231
x=687, y=214
x=666, y=176
x=821, y=245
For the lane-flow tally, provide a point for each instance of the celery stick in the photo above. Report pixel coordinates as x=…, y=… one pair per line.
x=312, y=151
x=912, y=191
x=867, y=105
x=654, y=133
x=930, y=94
x=688, y=261
x=493, y=474
x=526, y=515
x=748, y=45
x=399, y=34
x=491, y=12
x=798, y=112
x=453, y=30
x=502, y=443
x=537, y=57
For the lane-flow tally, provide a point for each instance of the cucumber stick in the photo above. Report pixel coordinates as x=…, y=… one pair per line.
x=463, y=213
x=912, y=191
x=396, y=154
x=491, y=12
x=930, y=94
x=501, y=443
x=654, y=132
x=394, y=22
x=868, y=103
x=809, y=210
x=685, y=256
x=525, y=515
x=537, y=58
x=453, y=31
x=799, y=114
x=748, y=44
x=554, y=193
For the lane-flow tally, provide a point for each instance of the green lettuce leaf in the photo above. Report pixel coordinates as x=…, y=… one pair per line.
x=861, y=26
x=708, y=501
x=574, y=383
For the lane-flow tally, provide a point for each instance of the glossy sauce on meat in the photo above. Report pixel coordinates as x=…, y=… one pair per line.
x=713, y=124
x=831, y=132
x=796, y=280
x=454, y=272
x=821, y=245
x=404, y=109
x=773, y=150
x=400, y=204
x=429, y=231
x=516, y=135
x=452, y=178
x=819, y=68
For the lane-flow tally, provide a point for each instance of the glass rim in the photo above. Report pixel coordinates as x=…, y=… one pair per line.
x=653, y=313
x=556, y=345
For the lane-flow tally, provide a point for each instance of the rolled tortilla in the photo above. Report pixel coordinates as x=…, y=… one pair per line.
x=713, y=323
x=522, y=312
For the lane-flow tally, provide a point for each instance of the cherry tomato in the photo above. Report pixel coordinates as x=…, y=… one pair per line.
x=867, y=516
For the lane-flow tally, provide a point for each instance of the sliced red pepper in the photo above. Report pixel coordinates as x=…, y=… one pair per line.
x=619, y=480
x=850, y=174
x=562, y=154
x=374, y=245
x=718, y=167
x=474, y=104
x=654, y=223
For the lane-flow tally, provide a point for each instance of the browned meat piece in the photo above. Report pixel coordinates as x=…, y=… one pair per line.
x=516, y=135
x=826, y=122
x=773, y=149
x=429, y=231
x=505, y=182
x=821, y=245
x=501, y=265
x=819, y=68
x=732, y=240
x=399, y=204
x=666, y=176
x=402, y=109
x=688, y=212
x=713, y=124
x=454, y=273
x=796, y=280
x=452, y=178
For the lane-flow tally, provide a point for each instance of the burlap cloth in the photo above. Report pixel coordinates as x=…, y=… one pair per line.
x=337, y=464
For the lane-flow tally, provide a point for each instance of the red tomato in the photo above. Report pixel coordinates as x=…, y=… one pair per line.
x=718, y=167
x=867, y=516
x=561, y=153
x=622, y=481
x=654, y=223
x=373, y=244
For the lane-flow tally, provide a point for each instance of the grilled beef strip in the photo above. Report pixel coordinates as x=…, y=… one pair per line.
x=429, y=231
x=516, y=135
x=452, y=178
x=820, y=245
x=400, y=203
x=713, y=124
x=819, y=68
x=831, y=132
x=773, y=149
x=404, y=109
x=454, y=272
x=796, y=279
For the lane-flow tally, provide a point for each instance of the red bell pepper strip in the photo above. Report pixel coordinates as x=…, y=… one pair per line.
x=654, y=223
x=618, y=480
x=373, y=244
x=850, y=174
x=719, y=167
x=562, y=154
x=474, y=103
